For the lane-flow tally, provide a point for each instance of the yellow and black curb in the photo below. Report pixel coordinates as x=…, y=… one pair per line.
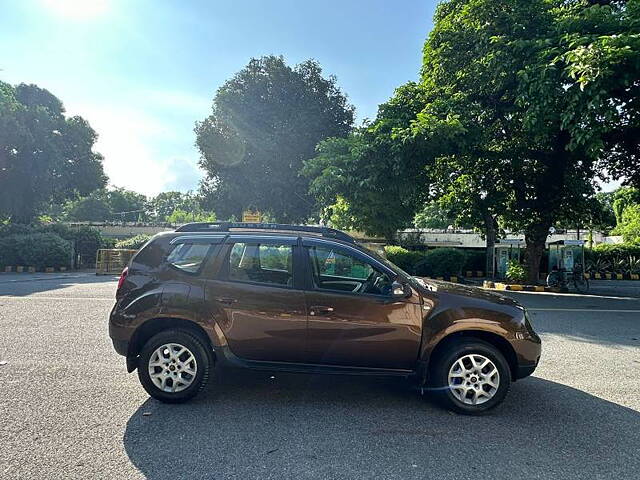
x=521, y=288
x=24, y=269
x=612, y=276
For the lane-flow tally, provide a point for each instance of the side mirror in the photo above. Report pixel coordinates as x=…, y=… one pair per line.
x=400, y=290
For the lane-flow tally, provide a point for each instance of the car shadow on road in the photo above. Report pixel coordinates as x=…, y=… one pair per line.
x=260, y=425
x=28, y=284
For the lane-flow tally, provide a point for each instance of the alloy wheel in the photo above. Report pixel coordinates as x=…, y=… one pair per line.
x=172, y=367
x=474, y=379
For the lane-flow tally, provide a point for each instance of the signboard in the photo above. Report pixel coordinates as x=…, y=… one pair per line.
x=251, y=217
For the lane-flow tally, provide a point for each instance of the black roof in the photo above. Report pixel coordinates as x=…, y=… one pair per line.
x=227, y=226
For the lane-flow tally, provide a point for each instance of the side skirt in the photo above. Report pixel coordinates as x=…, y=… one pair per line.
x=225, y=354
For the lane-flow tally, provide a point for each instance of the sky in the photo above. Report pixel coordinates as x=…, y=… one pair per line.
x=142, y=72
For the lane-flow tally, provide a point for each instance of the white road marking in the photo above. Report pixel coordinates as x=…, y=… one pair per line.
x=580, y=310
x=38, y=297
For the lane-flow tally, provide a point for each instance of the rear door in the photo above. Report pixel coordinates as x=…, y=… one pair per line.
x=258, y=300
x=353, y=320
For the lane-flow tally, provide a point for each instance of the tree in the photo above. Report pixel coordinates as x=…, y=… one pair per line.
x=377, y=176
x=265, y=122
x=511, y=76
x=166, y=203
x=105, y=205
x=182, y=216
x=127, y=205
x=629, y=226
x=92, y=208
x=433, y=215
x=623, y=198
x=44, y=155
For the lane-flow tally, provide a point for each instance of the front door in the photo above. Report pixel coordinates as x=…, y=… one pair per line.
x=353, y=320
x=257, y=301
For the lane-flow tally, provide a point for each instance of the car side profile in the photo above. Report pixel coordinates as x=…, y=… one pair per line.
x=309, y=299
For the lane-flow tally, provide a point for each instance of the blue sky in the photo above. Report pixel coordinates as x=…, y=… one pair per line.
x=142, y=72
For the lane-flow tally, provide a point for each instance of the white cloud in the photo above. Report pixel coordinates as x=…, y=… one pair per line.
x=133, y=144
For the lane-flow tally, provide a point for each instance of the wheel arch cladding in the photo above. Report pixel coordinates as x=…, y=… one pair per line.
x=151, y=327
x=492, y=338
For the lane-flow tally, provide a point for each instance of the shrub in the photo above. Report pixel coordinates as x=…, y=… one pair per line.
x=133, y=243
x=516, y=273
x=407, y=260
x=439, y=262
x=474, y=260
x=443, y=262
x=609, y=258
x=35, y=249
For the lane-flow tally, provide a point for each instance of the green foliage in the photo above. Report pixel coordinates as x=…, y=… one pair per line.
x=166, y=203
x=94, y=207
x=372, y=171
x=613, y=258
x=433, y=215
x=39, y=250
x=180, y=216
x=86, y=240
x=265, y=121
x=45, y=156
x=516, y=273
x=407, y=260
x=623, y=198
x=443, y=262
x=108, y=205
x=133, y=243
x=439, y=262
x=629, y=226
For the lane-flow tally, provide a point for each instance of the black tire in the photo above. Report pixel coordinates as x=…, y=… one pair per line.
x=553, y=279
x=581, y=284
x=196, y=346
x=439, y=376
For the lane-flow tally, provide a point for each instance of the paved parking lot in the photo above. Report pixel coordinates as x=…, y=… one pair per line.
x=70, y=410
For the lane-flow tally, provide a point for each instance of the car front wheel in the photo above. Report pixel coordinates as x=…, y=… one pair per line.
x=470, y=377
x=174, y=366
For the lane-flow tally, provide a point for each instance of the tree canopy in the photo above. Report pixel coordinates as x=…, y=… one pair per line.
x=521, y=106
x=44, y=155
x=265, y=122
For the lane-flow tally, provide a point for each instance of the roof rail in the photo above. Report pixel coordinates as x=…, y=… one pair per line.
x=227, y=226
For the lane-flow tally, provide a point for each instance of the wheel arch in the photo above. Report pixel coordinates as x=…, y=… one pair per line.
x=494, y=339
x=156, y=325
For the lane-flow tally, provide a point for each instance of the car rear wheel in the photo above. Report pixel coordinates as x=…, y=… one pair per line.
x=470, y=377
x=174, y=366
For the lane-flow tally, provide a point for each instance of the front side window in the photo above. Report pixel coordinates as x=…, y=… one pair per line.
x=337, y=269
x=267, y=263
x=188, y=257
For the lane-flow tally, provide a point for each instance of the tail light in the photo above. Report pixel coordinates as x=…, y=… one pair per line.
x=123, y=277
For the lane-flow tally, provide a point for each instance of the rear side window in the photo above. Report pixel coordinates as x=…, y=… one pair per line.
x=188, y=257
x=267, y=263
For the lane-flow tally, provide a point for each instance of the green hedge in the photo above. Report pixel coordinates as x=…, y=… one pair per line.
x=38, y=250
x=613, y=258
x=133, y=243
x=438, y=262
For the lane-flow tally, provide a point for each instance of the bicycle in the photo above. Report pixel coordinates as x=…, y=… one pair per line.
x=560, y=277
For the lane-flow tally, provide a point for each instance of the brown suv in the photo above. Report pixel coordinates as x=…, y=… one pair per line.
x=309, y=299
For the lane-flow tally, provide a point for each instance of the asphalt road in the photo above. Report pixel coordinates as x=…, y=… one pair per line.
x=70, y=410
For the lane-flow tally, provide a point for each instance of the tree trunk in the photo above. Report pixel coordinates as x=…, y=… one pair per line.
x=490, y=235
x=536, y=238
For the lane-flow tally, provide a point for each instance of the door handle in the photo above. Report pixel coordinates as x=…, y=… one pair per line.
x=320, y=310
x=226, y=300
